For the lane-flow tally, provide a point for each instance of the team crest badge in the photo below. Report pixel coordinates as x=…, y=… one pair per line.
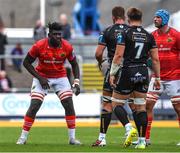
x=138, y=29
x=169, y=39
x=63, y=54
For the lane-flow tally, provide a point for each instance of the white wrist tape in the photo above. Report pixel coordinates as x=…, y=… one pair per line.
x=114, y=69
x=157, y=79
x=76, y=81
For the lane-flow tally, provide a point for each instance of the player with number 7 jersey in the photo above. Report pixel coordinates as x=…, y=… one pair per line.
x=132, y=52
x=138, y=43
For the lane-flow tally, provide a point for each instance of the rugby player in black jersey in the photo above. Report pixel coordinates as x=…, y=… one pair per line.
x=130, y=63
x=108, y=39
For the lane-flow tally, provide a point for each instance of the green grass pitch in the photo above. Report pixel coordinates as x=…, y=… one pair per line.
x=54, y=139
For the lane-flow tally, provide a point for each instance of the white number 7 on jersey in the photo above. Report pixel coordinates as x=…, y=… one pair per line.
x=140, y=48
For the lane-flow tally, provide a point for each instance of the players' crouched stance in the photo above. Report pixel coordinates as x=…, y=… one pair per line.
x=50, y=72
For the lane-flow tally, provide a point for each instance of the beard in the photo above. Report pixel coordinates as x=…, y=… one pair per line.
x=54, y=42
x=158, y=25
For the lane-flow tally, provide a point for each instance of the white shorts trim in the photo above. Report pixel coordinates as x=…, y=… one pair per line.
x=57, y=84
x=171, y=88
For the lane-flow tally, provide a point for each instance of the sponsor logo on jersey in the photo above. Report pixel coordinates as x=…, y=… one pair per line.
x=119, y=38
x=169, y=39
x=63, y=54
x=121, y=26
x=100, y=38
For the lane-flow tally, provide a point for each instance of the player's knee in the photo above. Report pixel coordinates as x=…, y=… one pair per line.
x=107, y=106
x=176, y=104
x=37, y=96
x=175, y=100
x=106, y=99
x=105, y=111
x=152, y=97
x=150, y=101
x=34, y=107
x=64, y=95
x=68, y=106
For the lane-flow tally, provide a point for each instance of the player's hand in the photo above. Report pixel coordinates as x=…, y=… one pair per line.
x=157, y=84
x=76, y=87
x=100, y=64
x=44, y=83
x=112, y=81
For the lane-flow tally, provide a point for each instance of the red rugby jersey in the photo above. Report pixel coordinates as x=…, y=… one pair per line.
x=169, y=53
x=51, y=60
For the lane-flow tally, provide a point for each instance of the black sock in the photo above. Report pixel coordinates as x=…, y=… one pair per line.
x=105, y=120
x=134, y=117
x=141, y=123
x=121, y=114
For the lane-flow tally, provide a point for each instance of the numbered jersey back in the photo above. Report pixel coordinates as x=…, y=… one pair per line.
x=138, y=43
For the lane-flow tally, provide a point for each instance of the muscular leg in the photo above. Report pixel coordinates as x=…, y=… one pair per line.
x=105, y=118
x=67, y=102
x=118, y=101
x=150, y=102
x=176, y=104
x=69, y=116
x=120, y=112
x=141, y=114
x=33, y=108
x=36, y=102
x=141, y=120
x=106, y=112
x=68, y=106
x=133, y=109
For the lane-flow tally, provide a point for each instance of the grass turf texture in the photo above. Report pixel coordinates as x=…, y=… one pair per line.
x=54, y=139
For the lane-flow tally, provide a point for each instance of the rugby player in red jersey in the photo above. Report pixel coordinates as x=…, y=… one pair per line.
x=51, y=53
x=168, y=42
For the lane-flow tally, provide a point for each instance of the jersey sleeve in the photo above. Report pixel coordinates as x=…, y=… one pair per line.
x=71, y=54
x=120, y=38
x=34, y=51
x=178, y=41
x=101, y=39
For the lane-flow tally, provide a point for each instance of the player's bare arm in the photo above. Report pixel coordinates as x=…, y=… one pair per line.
x=116, y=63
x=99, y=54
x=28, y=65
x=156, y=67
x=76, y=72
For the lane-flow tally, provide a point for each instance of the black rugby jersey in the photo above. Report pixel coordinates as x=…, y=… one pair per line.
x=138, y=43
x=108, y=38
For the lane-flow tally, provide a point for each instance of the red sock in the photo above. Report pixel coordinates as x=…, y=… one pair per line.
x=70, y=120
x=148, y=130
x=179, y=121
x=28, y=122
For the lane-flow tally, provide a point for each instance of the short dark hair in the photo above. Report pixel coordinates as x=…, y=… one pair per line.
x=54, y=26
x=134, y=14
x=118, y=12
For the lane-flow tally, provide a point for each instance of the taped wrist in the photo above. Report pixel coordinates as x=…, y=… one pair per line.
x=114, y=69
x=76, y=81
x=158, y=78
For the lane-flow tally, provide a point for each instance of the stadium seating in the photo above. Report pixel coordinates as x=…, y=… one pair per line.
x=92, y=78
